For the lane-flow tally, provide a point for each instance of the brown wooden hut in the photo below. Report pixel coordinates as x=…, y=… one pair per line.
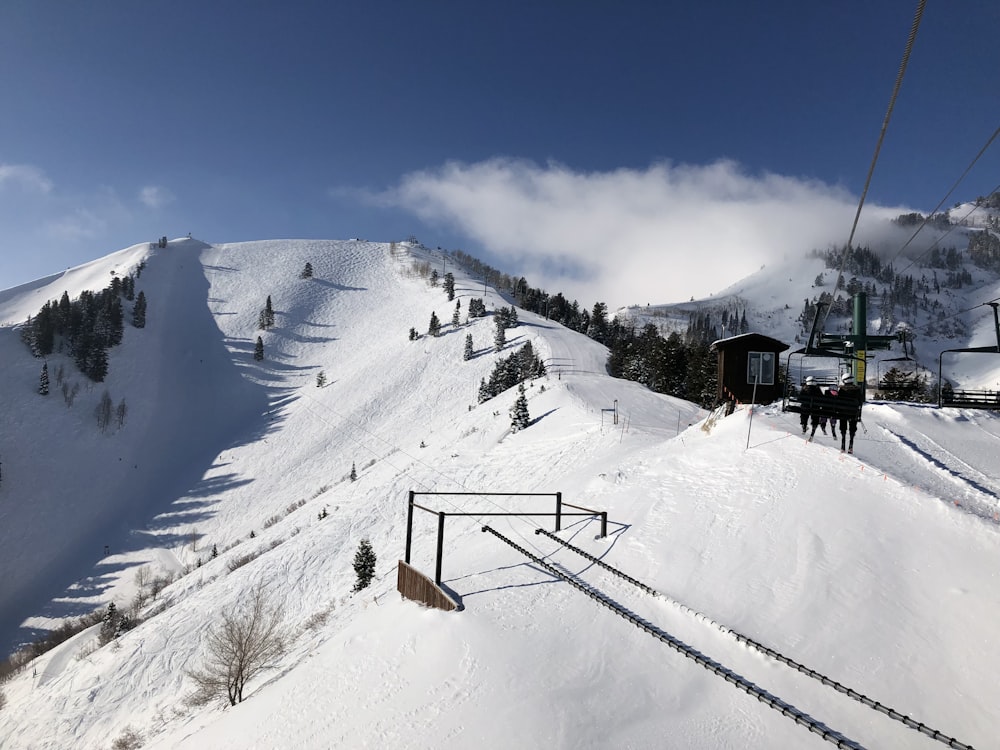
x=743, y=357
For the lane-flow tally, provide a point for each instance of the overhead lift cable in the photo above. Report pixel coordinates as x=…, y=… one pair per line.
x=873, y=704
x=942, y=202
x=878, y=146
x=786, y=709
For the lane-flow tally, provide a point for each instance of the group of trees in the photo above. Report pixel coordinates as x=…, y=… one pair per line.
x=673, y=365
x=86, y=327
x=509, y=371
x=984, y=250
x=114, y=623
x=899, y=296
x=505, y=317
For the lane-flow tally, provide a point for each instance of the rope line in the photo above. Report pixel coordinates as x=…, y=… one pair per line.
x=851, y=693
x=878, y=146
x=786, y=709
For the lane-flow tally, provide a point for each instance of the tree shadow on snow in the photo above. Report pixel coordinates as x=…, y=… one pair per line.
x=339, y=287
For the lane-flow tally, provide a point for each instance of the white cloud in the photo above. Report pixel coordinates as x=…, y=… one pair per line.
x=25, y=175
x=155, y=196
x=663, y=234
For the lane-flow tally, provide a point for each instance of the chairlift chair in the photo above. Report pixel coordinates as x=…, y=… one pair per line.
x=966, y=398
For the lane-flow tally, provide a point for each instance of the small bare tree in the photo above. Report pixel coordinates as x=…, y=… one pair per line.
x=142, y=581
x=238, y=648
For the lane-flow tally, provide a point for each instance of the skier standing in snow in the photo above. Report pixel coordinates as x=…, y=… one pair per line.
x=849, y=390
x=809, y=390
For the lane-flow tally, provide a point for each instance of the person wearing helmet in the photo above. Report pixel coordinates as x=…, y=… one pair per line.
x=848, y=390
x=809, y=389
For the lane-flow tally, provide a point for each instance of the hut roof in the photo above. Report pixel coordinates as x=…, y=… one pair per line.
x=750, y=339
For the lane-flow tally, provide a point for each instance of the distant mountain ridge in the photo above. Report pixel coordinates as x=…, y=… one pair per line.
x=937, y=297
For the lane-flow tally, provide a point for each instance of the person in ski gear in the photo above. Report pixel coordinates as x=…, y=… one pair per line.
x=810, y=389
x=832, y=420
x=848, y=390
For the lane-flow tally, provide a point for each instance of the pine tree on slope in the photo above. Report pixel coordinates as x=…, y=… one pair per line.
x=364, y=564
x=519, y=418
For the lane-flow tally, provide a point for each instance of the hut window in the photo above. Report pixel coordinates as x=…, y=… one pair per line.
x=760, y=368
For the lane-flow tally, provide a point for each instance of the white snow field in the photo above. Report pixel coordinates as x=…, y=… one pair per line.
x=878, y=571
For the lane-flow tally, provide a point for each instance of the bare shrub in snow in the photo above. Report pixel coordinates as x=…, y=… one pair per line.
x=129, y=739
x=318, y=619
x=239, y=647
x=241, y=560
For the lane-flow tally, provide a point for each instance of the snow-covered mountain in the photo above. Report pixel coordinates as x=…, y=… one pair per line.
x=943, y=314
x=876, y=571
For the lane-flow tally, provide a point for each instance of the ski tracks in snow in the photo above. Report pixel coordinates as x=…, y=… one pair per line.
x=951, y=478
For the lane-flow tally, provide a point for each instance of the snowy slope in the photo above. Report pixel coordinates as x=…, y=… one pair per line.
x=772, y=300
x=875, y=570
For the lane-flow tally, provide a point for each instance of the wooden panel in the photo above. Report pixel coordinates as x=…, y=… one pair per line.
x=414, y=585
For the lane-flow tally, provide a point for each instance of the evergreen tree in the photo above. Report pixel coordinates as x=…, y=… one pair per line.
x=113, y=624
x=139, y=311
x=320, y=379
x=354, y=473
x=519, y=418
x=115, y=317
x=434, y=328
x=109, y=624
x=43, y=381
x=307, y=272
x=64, y=313
x=266, y=318
x=500, y=337
x=413, y=334
x=449, y=285
x=434, y=277
x=456, y=316
x=96, y=363
x=258, y=350
x=364, y=565
x=468, y=347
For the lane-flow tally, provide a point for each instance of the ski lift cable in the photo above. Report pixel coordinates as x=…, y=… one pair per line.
x=939, y=239
x=955, y=314
x=943, y=200
x=878, y=146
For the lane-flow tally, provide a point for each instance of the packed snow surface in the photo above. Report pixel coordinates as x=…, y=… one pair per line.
x=878, y=570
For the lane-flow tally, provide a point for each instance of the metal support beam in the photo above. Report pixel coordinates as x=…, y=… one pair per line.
x=409, y=528
x=440, y=550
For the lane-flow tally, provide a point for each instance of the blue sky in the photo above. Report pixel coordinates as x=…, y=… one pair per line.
x=583, y=143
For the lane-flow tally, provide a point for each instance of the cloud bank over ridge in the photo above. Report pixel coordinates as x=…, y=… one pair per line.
x=628, y=236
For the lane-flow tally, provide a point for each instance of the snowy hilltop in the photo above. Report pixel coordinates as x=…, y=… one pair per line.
x=278, y=405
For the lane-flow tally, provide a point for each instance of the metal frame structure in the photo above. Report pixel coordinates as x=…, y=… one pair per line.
x=971, y=399
x=559, y=514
